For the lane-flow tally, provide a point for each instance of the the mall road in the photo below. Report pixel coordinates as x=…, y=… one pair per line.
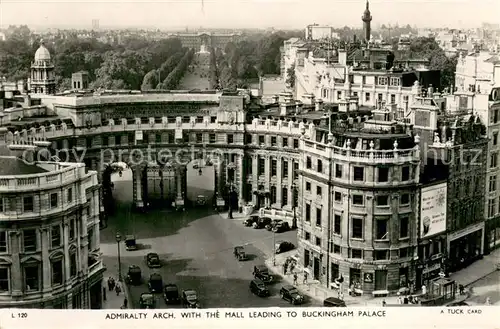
x=197, y=253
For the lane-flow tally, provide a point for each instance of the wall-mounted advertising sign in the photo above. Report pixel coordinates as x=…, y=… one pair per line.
x=433, y=204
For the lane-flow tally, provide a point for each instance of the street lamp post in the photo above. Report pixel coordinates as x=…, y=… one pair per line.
x=274, y=248
x=118, y=239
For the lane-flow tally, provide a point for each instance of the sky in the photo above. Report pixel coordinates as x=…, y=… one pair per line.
x=180, y=14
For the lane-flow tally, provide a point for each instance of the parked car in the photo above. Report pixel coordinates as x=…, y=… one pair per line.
x=130, y=243
x=155, y=283
x=153, y=260
x=261, y=272
x=201, y=200
x=273, y=223
x=283, y=246
x=171, y=293
x=291, y=294
x=258, y=288
x=190, y=299
x=281, y=227
x=239, y=253
x=250, y=220
x=134, y=276
x=147, y=300
x=334, y=302
x=262, y=222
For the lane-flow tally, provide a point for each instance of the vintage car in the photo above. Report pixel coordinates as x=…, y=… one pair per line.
x=239, y=253
x=262, y=222
x=147, y=300
x=171, y=293
x=334, y=302
x=134, y=276
x=291, y=294
x=261, y=272
x=190, y=299
x=155, y=283
x=273, y=223
x=201, y=200
x=130, y=243
x=258, y=288
x=281, y=227
x=250, y=220
x=153, y=260
x=283, y=246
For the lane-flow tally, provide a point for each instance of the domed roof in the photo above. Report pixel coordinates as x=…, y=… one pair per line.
x=42, y=53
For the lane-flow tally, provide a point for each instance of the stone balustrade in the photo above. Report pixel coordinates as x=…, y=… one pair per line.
x=59, y=174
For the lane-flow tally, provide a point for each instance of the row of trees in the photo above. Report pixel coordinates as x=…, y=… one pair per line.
x=174, y=77
x=213, y=74
x=153, y=80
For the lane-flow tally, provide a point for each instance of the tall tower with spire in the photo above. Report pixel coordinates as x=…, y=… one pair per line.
x=42, y=79
x=367, y=18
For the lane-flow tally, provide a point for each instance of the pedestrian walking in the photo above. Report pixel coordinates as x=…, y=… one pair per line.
x=292, y=267
x=125, y=302
x=424, y=290
x=341, y=295
x=305, y=278
x=488, y=301
x=118, y=289
x=461, y=289
x=400, y=301
x=285, y=265
x=295, y=277
x=384, y=303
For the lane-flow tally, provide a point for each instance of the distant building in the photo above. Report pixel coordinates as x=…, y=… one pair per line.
x=95, y=24
x=80, y=80
x=205, y=40
x=42, y=79
x=477, y=72
x=319, y=32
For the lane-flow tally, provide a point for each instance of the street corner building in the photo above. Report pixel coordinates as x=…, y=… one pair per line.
x=49, y=235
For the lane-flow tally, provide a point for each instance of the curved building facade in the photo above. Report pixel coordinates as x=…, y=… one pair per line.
x=49, y=235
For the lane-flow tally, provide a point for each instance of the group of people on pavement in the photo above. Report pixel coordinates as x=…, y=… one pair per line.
x=289, y=267
x=113, y=285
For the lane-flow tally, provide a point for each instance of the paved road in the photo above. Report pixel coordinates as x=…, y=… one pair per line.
x=196, y=250
x=488, y=286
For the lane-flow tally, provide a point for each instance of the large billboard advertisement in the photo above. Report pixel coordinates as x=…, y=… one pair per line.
x=433, y=210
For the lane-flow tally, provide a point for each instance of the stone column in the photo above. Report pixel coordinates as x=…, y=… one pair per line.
x=16, y=268
x=255, y=177
x=267, y=175
x=137, y=178
x=279, y=179
x=220, y=182
x=46, y=264
x=179, y=199
x=84, y=243
x=65, y=238
x=242, y=180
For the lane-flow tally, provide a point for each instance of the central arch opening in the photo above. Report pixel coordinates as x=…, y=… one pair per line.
x=200, y=182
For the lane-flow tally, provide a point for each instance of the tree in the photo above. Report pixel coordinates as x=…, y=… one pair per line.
x=150, y=80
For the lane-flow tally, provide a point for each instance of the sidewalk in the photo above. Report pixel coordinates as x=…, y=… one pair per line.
x=477, y=270
x=112, y=300
x=467, y=276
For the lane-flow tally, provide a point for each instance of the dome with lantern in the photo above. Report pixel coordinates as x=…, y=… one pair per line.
x=42, y=54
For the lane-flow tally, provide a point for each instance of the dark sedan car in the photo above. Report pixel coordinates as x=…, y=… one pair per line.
x=283, y=246
x=262, y=222
x=261, y=272
x=258, y=288
x=190, y=299
x=153, y=260
x=155, y=283
x=171, y=293
x=250, y=220
x=291, y=294
x=273, y=223
x=281, y=227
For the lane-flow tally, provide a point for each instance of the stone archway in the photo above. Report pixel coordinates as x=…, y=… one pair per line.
x=200, y=182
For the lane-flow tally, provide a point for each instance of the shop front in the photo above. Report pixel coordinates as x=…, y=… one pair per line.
x=465, y=246
x=492, y=234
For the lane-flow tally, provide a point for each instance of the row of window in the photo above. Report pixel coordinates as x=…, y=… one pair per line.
x=31, y=242
x=382, y=224
x=28, y=204
x=378, y=254
x=273, y=167
x=382, y=200
x=199, y=138
x=380, y=96
x=32, y=274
